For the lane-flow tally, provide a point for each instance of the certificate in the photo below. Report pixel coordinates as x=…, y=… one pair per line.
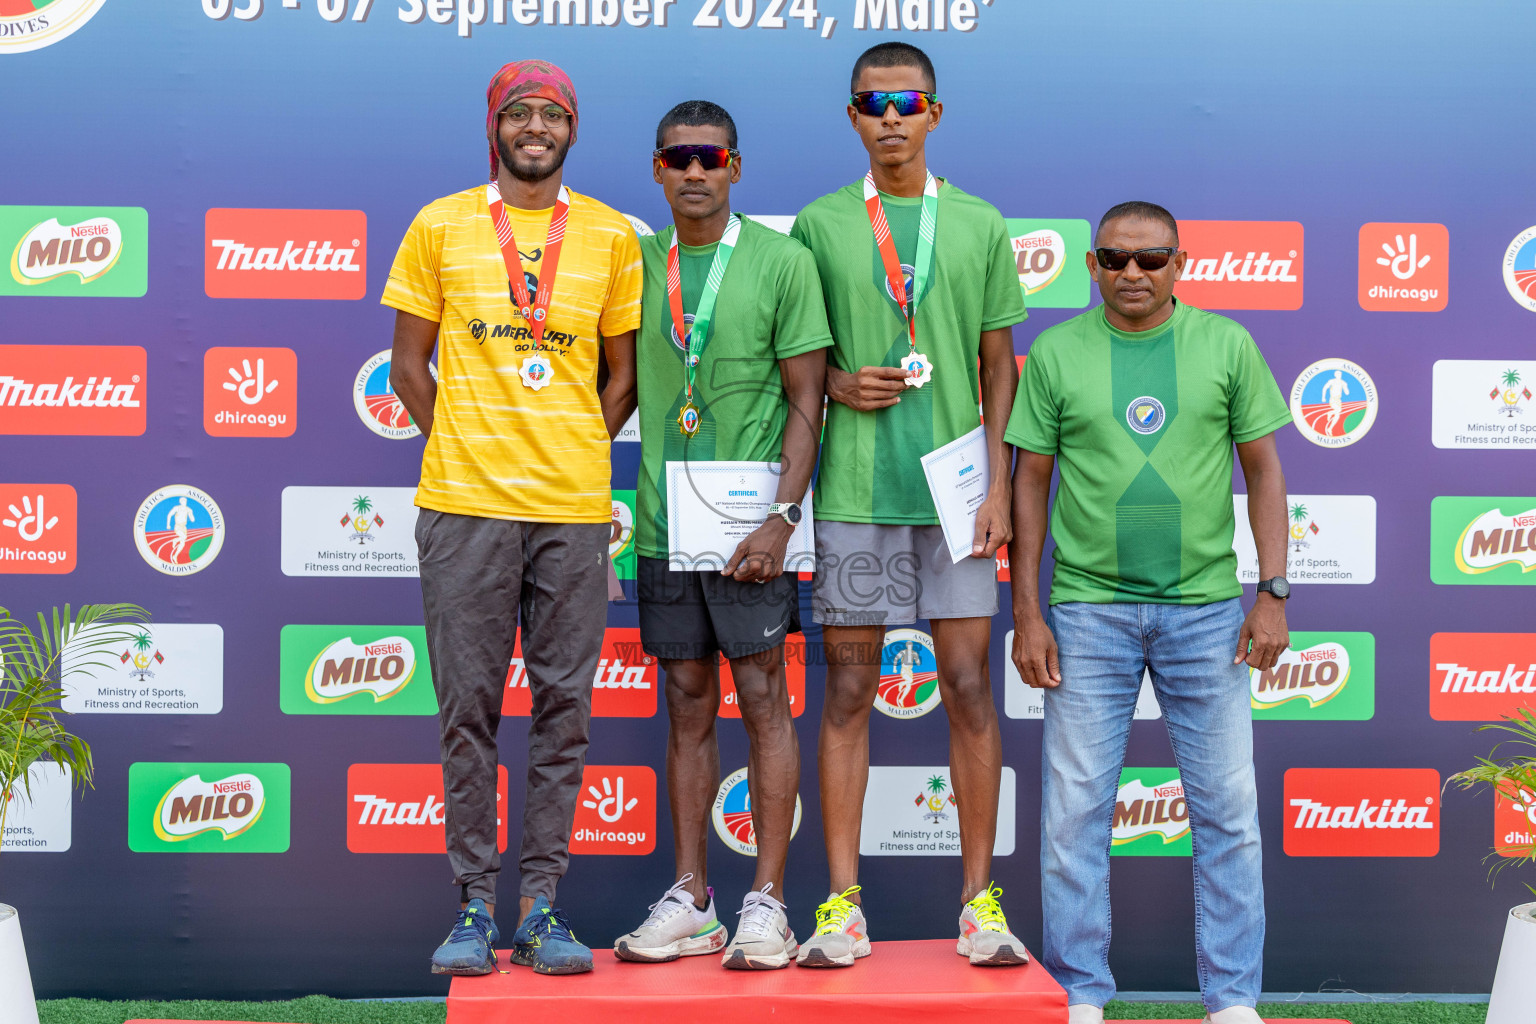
x=712, y=506
x=958, y=477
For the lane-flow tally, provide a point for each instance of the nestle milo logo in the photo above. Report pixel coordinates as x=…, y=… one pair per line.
x=75, y=250
x=208, y=808
x=355, y=670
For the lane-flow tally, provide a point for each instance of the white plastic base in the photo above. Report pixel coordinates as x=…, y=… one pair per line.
x=18, y=1006
x=1514, y=986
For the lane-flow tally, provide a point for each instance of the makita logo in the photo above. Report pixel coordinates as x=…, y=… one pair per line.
x=87, y=250
x=399, y=808
x=72, y=389
x=1235, y=264
x=624, y=684
x=234, y=256
x=285, y=254
x=1480, y=677
x=1362, y=812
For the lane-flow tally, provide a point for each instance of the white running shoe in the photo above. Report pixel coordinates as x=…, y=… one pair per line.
x=984, y=934
x=842, y=934
x=1234, y=1015
x=1085, y=1013
x=763, y=940
x=675, y=928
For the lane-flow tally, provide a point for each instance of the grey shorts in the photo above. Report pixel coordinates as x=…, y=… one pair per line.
x=879, y=575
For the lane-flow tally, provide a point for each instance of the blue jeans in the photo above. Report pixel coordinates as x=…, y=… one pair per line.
x=1204, y=697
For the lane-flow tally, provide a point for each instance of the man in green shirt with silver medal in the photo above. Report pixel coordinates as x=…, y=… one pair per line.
x=1140, y=403
x=739, y=379
x=920, y=282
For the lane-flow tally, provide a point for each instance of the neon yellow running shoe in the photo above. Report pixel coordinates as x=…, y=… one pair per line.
x=842, y=935
x=984, y=934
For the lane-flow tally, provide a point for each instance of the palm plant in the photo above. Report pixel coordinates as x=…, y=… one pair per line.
x=1512, y=775
x=33, y=665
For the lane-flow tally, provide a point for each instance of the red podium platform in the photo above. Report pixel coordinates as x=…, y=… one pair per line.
x=916, y=982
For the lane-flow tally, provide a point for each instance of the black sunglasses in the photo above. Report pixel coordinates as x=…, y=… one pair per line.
x=1146, y=259
x=709, y=157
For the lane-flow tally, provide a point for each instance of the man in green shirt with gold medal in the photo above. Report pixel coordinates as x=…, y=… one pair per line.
x=737, y=379
x=920, y=283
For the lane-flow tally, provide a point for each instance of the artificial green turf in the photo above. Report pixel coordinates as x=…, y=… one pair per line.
x=324, y=1010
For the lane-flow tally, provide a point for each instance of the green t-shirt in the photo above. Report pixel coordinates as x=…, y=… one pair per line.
x=871, y=462
x=1142, y=427
x=769, y=308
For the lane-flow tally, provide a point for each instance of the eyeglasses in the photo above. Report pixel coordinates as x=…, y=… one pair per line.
x=553, y=116
x=907, y=102
x=709, y=157
x=1146, y=259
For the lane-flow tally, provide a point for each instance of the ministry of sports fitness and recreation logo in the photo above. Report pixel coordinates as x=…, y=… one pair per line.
x=1481, y=677
x=1483, y=540
x=208, y=808
x=1151, y=815
x=1303, y=527
x=1483, y=403
x=399, y=808
x=1520, y=268
x=732, y=814
x=33, y=24
x=1362, y=812
x=909, y=675
x=360, y=520
x=377, y=405
x=174, y=668
x=936, y=801
x=1321, y=676
x=1333, y=403
x=355, y=670
x=1145, y=415
x=179, y=530
x=39, y=810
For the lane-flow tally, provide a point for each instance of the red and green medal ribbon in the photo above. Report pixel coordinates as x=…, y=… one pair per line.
x=916, y=363
x=694, y=338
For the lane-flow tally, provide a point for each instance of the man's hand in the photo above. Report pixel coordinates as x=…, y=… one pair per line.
x=1265, y=628
x=1034, y=652
x=760, y=555
x=873, y=387
x=994, y=524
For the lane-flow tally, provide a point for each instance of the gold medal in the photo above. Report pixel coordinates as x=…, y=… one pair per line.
x=688, y=420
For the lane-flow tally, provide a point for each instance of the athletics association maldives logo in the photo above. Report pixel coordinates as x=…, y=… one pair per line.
x=732, y=814
x=1520, y=268
x=1145, y=415
x=179, y=530
x=33, y=24
x=1333, y=403
x=377, y=405
x=909, y=675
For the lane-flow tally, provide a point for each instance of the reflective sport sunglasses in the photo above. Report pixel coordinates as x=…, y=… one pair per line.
x=709, y=157
x=1146, y=259
x=907, y=102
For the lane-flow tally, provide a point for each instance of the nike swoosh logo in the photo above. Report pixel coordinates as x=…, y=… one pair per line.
x=769, y=632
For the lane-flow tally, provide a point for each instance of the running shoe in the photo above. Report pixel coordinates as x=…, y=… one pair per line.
x=675, y=928
x=1234, y=1015
x=842, y=935
x=984, y=934
x=763, y=940
x=469, y=948
x=544, y=942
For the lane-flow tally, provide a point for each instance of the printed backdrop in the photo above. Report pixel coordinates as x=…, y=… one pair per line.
x=200, y=203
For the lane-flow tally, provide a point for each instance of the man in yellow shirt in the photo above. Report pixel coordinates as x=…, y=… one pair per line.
x=517, y=284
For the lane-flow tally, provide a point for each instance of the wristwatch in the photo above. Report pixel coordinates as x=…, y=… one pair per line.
x=789, y=510
x=1277, y=586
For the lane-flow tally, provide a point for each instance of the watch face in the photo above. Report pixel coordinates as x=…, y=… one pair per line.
x=793, y=514
x=1279, y=587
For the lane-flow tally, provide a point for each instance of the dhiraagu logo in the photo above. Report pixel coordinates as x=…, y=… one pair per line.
x=80, y=251
x=355, y=670
x=1321, y=676
x=208, y=808
x=1483, y=541
x=1151, y=815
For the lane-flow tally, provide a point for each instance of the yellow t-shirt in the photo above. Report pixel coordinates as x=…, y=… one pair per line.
x=499, y=449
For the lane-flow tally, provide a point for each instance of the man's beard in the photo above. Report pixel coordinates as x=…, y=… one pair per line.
x=507, y=153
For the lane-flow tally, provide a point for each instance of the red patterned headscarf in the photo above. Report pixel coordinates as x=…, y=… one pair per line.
x=519, y=80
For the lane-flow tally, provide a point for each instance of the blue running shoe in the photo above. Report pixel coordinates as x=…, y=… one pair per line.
x=544, y=942
x=469, y=948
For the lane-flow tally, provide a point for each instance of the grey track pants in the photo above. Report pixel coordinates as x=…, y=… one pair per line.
x=477, y=574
